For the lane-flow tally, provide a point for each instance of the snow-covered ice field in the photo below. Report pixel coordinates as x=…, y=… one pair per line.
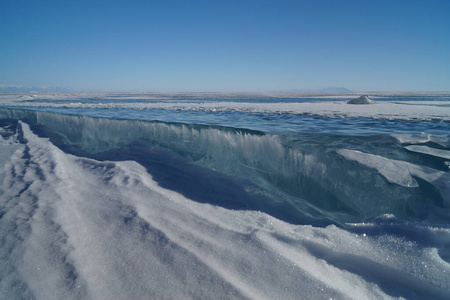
x=99, y=199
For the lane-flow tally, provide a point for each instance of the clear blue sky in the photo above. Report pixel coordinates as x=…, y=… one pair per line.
x=226, y=45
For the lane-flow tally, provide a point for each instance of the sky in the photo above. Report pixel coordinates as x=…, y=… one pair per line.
x=228, y=46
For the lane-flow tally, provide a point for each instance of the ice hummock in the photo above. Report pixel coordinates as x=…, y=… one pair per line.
x=364, y=99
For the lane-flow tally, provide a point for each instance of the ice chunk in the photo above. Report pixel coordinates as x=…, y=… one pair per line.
x=418, y=138
x=401, y=172
x=392, y=170
x=364, y=99
x=429, y=151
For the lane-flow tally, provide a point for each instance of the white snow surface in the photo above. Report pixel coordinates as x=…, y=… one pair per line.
x=76, y=228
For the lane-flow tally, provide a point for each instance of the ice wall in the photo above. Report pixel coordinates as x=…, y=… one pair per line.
x=300, y=181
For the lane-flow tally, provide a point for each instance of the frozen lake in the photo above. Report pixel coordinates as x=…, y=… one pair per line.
x=113, y=196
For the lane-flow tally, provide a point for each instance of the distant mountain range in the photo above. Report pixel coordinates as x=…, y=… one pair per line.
x=321, y=90
x=4, y=88
x=20, y=88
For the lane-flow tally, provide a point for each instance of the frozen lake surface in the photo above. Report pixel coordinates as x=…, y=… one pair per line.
x=219, y=196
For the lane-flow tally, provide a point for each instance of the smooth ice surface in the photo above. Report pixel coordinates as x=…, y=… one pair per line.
x=83, y=228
